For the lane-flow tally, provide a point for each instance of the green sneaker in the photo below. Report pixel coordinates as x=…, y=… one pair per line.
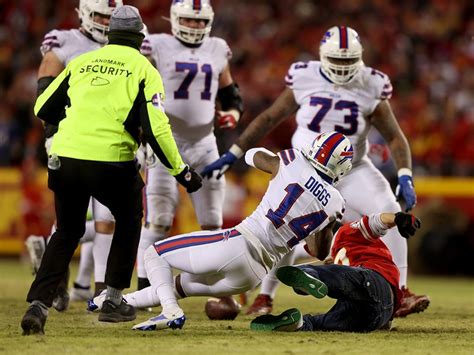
x=289, y=321
x=301, y=281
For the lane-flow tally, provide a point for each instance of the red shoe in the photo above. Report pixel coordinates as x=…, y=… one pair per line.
x=411, y=303
x=263, y=304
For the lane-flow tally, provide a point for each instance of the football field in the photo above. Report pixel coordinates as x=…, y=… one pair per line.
x=447, y=327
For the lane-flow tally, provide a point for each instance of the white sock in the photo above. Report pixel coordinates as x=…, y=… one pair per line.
x=398, y=247
x=89, y=234
x=86, y=265
x=146, y=297
x=403, y=276
x=161, y=279
x=270, y=282
x=148, y=236
x=102, y=243
x=86, y=262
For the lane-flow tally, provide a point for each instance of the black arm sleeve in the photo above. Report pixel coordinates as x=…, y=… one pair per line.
x=53, y=110
x=43, y=83
x=229, y=97
x=49, y=129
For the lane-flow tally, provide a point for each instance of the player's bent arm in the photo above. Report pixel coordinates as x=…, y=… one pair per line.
x=50, y=104
x=388, y=219
x=230, y=99
x=225, y=79
x=50, y=65
x=385, y=122
x=376, y=225
x=284, y=105
x=263, y=159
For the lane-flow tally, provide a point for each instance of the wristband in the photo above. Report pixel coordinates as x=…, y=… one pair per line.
x=251, y=153
x=405, y=171
x=234, y=113
x=236, y=150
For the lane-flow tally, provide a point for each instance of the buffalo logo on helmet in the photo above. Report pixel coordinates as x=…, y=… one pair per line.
x=326, y=36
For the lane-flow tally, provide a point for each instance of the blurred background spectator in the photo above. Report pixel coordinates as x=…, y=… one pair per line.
x=426, y=47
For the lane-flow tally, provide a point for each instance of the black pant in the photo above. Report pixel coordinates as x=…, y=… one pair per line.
x=364, y=299
x=116, y=185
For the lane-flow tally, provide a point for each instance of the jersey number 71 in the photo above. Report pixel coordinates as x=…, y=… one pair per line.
x=192, y=69
x=301, y=226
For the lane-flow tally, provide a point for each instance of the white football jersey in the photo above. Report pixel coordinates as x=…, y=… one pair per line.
x=325, y=106
x=191, y=80
x=67, y=44
x=297, y=203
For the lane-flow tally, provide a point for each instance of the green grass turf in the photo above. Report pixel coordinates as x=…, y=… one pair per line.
x=445, y=328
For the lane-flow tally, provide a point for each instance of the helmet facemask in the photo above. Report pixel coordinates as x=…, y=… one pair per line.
x=341, y=54
x=88, y=12
x=192, y=10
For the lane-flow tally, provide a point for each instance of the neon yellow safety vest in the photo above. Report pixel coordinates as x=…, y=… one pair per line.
x=100, y=100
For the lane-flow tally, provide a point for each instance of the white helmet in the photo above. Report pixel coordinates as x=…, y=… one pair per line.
x=331, y=154
x=89, y=8
x=192, y=9
x=340, y=43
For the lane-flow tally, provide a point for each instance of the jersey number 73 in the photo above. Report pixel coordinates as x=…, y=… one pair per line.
x=326, y=105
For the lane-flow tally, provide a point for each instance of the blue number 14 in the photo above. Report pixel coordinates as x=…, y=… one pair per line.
x=301, y=226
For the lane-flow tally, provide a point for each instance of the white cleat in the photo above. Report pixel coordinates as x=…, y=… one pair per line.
x=80, y=294
x=173, y=321
x=36, y=245
x=95, y=304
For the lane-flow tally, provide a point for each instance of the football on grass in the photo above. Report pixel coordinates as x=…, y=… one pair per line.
x=224, y=308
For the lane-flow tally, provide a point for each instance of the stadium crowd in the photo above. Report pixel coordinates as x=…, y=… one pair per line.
x=425, y=47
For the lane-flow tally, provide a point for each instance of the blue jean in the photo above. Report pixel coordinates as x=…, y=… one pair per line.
x=364, y=299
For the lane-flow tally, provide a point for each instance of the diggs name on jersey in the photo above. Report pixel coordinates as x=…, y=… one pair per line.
x=318, y=190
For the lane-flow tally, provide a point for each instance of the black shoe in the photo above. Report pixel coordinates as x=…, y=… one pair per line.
x=110, y=312
x=61, y=300
x=33, y=321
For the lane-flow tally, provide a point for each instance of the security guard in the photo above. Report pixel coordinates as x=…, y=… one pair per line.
x=99, y=102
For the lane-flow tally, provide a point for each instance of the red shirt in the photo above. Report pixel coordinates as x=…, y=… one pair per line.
x=356, y=245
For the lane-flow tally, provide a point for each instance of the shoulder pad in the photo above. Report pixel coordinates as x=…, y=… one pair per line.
x=379, y=83
x=51, y=40
x=146, y=48
x=287, y=156
x=153, y=43
x=296, y=69
x=219, y=47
